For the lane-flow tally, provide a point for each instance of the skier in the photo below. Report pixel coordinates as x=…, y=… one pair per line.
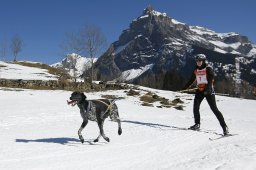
x=203, y=74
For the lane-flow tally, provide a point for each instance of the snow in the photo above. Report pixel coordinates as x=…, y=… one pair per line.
x=141, y=17
x=133, y=73
x=177, y=22
x=253, y=71
x=229, y=34
x=234, y=52
x=121, y=48
x=198, y=38
x=16, y=71
x=252, y=52
x=201, y=30
x=78, y=64
x=219, y=50
x=158, y=13
x=153, y=12
x=225, y=45
x=39, y=131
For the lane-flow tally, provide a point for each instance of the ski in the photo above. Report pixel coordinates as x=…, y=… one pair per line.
x=206, y=131
x=222, y=136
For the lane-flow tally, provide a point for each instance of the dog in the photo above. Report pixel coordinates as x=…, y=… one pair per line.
x=95, y=110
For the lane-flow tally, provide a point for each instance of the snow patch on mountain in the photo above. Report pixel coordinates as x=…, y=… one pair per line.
x=252, y=52
x=121, y=48
x=177, y=22
x=75, y=64
x=217, y=39
x=133, y=73
x=201, y=30
x=225, y=45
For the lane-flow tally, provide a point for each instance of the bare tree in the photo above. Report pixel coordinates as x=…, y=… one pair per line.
x=3, y=49
x=16, y=45
x=72, y=44
x=89, y=41
x=94, y=41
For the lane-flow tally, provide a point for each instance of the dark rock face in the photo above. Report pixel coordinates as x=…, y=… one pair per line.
x=166, y=48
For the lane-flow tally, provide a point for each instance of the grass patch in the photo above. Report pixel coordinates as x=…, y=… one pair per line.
x=112, y=97
x=147, y=98
x=50, y=69
x=132, y=92
x=147, y=104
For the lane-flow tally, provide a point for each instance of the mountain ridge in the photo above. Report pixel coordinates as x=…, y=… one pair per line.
x=169, y=46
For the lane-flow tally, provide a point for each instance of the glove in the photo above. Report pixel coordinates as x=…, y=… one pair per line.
x=208, y=90
x=183, y=89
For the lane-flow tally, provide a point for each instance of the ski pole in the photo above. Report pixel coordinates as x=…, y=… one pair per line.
x=187, y=90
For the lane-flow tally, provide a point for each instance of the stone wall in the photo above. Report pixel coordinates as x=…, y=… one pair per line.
x=58, y=85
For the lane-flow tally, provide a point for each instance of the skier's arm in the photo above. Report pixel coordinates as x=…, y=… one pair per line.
x=190, y=82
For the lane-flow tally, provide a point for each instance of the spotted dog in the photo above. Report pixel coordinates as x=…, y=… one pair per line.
x=95, y=110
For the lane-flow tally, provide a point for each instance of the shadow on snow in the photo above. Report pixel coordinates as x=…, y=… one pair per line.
x=167, y=127
x=62, y=141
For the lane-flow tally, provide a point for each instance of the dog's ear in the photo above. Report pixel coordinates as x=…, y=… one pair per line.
x=83, y=96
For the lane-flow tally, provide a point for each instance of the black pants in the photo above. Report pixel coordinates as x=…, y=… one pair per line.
x=212, y=103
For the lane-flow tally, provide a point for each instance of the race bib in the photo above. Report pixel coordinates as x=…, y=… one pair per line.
x=201, y=77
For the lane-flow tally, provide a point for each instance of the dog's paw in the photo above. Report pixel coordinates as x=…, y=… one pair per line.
x=107, y=139
x=81, y=139
x=96, y=140
x=119, y=131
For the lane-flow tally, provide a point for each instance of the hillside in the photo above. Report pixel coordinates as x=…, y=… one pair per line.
x=16, y=71
x=38, y=130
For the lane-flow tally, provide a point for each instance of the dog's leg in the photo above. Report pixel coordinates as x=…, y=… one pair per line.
x=100, y=124
x=80, y=130
x=97, y=139
x=114, y=115
x=119, y=126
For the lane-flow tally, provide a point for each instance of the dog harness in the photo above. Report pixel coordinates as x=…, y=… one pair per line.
x=91, y=109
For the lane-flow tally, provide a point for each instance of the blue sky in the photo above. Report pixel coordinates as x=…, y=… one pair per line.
x=42, y=24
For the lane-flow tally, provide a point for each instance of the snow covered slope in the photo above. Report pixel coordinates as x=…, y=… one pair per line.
x=16, y=71
x=38, y=130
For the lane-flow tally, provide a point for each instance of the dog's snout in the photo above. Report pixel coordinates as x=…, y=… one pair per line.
x=70, y=98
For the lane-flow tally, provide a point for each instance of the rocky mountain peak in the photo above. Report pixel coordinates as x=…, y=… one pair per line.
x=157, y=51
x=148, y=10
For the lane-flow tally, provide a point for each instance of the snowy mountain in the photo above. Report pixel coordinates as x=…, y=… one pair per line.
x=38, y=130
x=74, y=64
x=157, y=51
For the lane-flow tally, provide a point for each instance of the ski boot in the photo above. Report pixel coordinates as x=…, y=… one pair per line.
x=225, y=131
x=194, y=127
